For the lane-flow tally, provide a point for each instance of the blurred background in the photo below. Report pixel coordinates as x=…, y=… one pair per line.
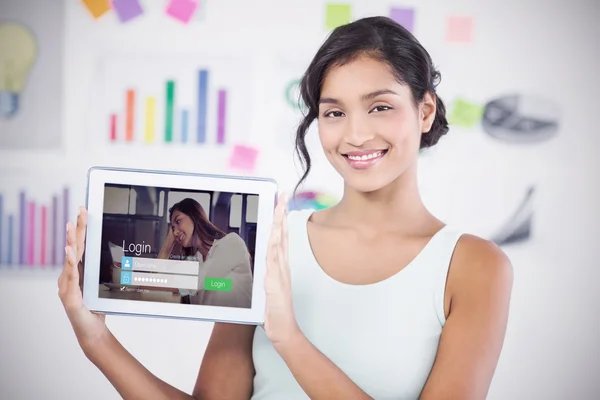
x=211, y=86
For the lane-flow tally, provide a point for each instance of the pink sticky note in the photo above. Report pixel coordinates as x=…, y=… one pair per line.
x=459, y=30
x=243, y=157
x=182, y=10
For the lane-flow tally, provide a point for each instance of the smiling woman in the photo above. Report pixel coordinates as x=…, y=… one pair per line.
x=390, y=302
x=220, y=255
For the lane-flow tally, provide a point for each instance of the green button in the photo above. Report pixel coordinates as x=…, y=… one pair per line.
x=218, y=284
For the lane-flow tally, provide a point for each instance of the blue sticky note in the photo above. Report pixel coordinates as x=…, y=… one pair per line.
x=127, y=9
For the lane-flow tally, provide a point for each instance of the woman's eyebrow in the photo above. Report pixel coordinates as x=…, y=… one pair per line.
x=372, y=95
x=364, y=97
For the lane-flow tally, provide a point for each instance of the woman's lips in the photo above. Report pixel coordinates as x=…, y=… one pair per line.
x=364, y=159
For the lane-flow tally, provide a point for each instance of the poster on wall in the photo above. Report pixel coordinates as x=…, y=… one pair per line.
x=174, y=111
x=34, y=210
x=31, y=70
x=171, y=101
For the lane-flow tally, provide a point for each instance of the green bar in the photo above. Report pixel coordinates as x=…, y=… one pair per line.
x=218, y=284
x=169, y=111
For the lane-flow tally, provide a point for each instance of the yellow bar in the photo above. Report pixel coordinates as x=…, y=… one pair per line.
x=150, y=119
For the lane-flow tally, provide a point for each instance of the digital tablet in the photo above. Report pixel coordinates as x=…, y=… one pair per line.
x=177, y=245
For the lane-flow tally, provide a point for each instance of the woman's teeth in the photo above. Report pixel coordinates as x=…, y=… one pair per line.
x=366, y=156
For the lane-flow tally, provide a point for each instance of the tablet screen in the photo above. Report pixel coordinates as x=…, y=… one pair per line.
x=178, y=245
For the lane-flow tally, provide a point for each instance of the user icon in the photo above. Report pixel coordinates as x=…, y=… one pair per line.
x=127, y=263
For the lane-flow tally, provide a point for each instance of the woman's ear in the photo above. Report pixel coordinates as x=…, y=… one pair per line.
x=427, y=110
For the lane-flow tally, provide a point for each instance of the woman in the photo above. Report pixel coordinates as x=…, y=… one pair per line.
x=220, y=255
x=375, y=297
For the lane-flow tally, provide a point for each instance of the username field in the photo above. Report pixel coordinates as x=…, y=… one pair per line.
x=160, y=265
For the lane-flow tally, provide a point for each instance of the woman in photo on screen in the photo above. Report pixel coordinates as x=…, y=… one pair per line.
x=219, y=254
x=373, y=298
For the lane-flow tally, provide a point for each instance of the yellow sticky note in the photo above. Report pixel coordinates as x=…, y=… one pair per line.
x=465, y=113
x=97, y=7
x=337, y=14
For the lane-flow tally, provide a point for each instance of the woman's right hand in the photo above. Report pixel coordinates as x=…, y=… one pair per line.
x=89, y=327
x=170, y=235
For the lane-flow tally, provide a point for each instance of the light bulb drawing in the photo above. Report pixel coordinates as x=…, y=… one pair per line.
x=18, y=52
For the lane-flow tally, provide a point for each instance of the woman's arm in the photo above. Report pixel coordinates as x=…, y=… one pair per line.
x=127, y=375
x=479, y=285
x=226, y=371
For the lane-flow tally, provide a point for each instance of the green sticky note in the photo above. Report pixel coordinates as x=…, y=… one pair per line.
x=337, y=14
x=465, y=113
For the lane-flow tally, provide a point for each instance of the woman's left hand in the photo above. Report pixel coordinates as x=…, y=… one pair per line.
x=280, y=320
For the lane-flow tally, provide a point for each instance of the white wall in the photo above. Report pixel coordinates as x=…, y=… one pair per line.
x=543, y=47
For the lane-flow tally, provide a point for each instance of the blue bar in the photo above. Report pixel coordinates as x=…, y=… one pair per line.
x=10, y=240
x=184, y=126
x=202, y=104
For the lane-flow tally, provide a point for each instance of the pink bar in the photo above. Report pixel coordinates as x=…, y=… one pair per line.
x=43, y=247
x=31, y=243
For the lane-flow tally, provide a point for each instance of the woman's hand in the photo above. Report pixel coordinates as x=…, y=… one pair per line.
x=89, y=327
x=167, y=247
x=280, y=320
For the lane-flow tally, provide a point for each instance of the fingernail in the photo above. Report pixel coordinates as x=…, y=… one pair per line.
x=66, y=251
x=67, y=228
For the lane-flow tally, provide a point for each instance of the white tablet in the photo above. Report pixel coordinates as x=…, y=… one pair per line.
x=179, y=245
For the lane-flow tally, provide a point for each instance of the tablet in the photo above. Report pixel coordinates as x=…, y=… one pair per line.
x=177, y=245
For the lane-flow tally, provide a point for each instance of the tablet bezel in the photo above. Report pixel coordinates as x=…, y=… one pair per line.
x=266, y=189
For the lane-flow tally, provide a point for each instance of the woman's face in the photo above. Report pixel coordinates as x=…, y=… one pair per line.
x=183, y=228
x=369, y=128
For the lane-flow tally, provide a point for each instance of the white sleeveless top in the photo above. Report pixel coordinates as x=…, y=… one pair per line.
x=384, y=336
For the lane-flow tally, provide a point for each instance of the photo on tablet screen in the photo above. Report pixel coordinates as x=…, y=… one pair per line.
x=178, y=246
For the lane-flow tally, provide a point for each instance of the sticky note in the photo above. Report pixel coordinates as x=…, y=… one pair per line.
x=201, y=12
x=465, y=113
x=337, y=14
x=459, y=30
x=404, y=17
x=182, y=10
x=243, y=157
x=127, y=9
x=97, y=7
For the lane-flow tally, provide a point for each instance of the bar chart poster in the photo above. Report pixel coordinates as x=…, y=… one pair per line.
x=32, y=227
x=173, y=101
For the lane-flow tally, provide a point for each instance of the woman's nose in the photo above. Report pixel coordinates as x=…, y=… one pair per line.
x=358, y=132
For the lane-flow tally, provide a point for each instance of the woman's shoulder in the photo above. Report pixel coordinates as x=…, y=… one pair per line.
x=232, y=238
x=478, y=262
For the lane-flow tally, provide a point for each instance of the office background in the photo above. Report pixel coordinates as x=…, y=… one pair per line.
x=212, y=87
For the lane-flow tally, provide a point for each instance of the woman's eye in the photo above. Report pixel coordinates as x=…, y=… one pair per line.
x=382, y=108
x=334, y=114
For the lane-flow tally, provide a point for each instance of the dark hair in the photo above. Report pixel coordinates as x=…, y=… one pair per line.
x=382, y=39
x=204, y=230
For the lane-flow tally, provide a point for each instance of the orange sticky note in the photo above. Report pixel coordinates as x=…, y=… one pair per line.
x=97, y=7
x=243, y=158
x=459, y=30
